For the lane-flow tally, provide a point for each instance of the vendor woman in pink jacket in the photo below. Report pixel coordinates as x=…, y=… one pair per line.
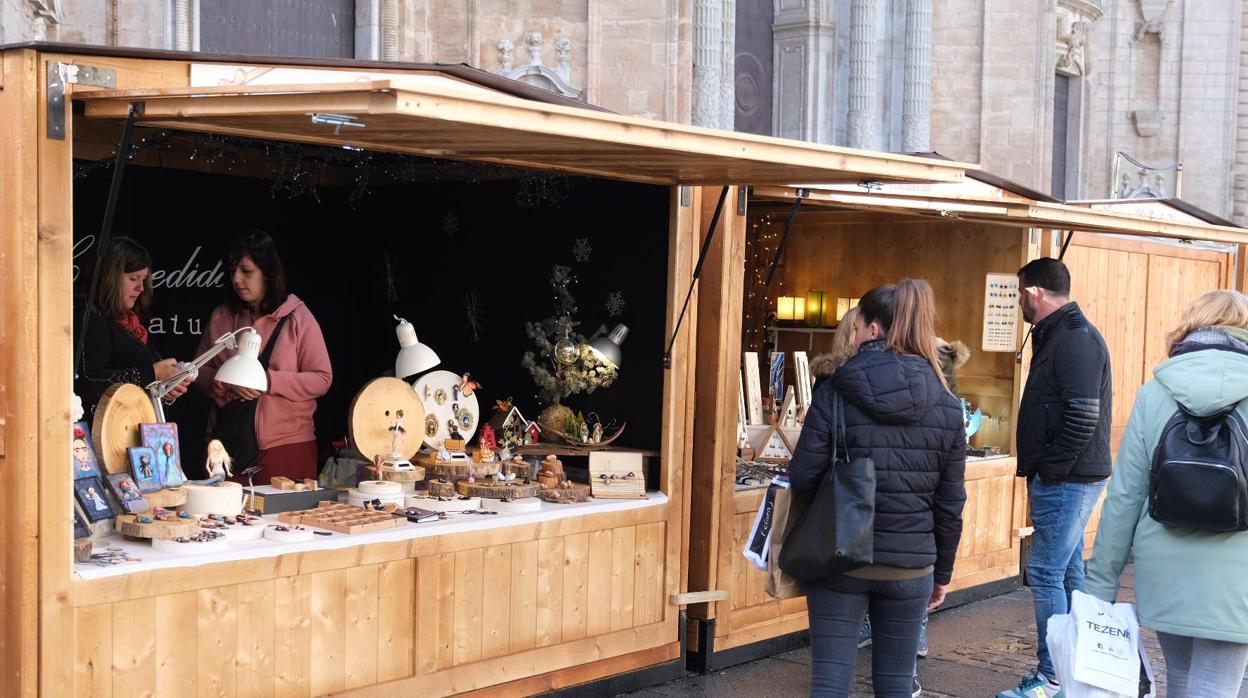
x=298, y=370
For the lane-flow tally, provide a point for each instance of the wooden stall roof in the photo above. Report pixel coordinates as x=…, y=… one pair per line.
x=455, y=71
x=979, y=201
x=1171, y=208
x=406, y=116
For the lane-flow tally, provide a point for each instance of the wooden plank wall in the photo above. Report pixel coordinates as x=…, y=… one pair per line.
x=1133, y=289
x=847, y=254
x=435, y=617
x=989, y=551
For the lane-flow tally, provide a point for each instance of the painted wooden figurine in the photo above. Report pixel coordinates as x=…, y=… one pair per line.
x=219, y=461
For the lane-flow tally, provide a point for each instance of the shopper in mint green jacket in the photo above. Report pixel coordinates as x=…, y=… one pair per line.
x=1190, y=586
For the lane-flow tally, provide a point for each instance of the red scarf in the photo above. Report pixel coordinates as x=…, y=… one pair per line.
x=131, y=323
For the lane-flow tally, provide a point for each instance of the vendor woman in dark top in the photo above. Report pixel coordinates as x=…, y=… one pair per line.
x=116, y=348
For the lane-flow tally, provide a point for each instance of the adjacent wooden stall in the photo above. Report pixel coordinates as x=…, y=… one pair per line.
x=509, y=607
x=847, y=239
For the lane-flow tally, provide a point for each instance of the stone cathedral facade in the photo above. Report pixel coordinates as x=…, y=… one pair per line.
x=1083, y=99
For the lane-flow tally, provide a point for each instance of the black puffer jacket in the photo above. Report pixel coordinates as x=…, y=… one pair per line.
x=899, y=415
x=1063, y=419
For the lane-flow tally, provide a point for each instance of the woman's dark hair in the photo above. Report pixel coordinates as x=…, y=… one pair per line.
x=257, y=245
x=122, y=256
x=907, y=314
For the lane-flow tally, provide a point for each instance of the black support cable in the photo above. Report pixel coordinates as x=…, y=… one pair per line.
x=106, y=227
x=697, y=271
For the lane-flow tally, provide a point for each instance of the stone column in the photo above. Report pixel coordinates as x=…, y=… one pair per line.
x=728, y=80
x=916, y=101
x=183, y=26
x=863, y=115
x=708, y=68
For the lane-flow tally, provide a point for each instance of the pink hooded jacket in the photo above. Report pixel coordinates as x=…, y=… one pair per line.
x=299, y=371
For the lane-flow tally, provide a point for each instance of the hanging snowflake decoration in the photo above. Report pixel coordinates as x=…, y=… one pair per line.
x=534, y=188
x=581, y=250
x=450, y=224
x=615, y=303
x=472, y=316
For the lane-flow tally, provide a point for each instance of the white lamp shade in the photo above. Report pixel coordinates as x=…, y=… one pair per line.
x=244, y=369
x=607, y=347
x=413, y=357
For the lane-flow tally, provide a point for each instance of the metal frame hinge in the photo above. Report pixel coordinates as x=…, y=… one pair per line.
x=61, y=74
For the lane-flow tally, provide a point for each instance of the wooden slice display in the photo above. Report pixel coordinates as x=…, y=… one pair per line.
x=488, y=489
x=373, y=412
x=413, y=474
x=512, y=506
x=168, y=498
x=120, y=411
x=439, y=392
x=570, y=495
x=129, y=526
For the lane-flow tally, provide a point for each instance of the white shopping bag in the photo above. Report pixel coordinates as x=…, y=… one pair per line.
x=1097, y=650
x=758, y=545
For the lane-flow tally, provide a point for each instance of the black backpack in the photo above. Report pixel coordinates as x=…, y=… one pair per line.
x=1199, y=478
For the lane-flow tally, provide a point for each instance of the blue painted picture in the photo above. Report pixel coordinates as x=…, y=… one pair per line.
x=162, y=438
x=143, y=468
x=85, y=464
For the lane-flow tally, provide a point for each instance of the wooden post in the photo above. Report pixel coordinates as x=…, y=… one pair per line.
x=19, y=365
x=55, y=385
x=678, y=404
x=720, y=299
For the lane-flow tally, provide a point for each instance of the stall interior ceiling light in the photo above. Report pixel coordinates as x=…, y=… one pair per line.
x=817, y=303
x=338, y=121
x=790, y=308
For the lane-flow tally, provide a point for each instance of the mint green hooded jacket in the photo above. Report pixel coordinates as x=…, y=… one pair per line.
x=1191, y=583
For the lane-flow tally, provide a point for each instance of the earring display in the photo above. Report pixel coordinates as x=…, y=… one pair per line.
x=445, y=415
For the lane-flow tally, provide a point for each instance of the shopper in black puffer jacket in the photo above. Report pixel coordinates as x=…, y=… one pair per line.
x=899, y=413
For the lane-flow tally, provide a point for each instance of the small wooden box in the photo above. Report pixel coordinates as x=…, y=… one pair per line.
x=624, y=472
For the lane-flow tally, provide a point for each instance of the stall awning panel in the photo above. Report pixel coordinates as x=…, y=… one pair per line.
x=406, y=116
x=970, y=202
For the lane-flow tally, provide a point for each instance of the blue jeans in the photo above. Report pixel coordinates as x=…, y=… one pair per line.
x=1059, y=514
x=836, y=611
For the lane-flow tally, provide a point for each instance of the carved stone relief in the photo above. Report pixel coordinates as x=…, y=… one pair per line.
x=536, y=72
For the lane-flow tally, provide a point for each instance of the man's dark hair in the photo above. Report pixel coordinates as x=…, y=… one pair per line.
x=1047, y=273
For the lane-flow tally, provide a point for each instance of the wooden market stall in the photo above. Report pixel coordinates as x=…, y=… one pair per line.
x=512, y=606
x=1134, y=266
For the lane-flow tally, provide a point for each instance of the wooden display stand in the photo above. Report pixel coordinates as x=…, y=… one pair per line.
x=167, y=498
x=129, y=526
x=342, y=518
x=285, y=483
x=118, y=414
x=571, y=493
x=489, y=489
x=617, y=474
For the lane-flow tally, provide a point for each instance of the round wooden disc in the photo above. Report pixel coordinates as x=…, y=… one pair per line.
x=416, y=474
x=441, y=386
x=120, y=411
x=129, y=526
x=168, y=498
x=372, y=414
x=490, y=490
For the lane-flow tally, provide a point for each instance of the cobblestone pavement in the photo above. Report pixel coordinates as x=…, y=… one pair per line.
x=976, y=650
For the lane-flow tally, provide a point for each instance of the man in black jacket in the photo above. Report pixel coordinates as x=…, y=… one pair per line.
x=1063, y=446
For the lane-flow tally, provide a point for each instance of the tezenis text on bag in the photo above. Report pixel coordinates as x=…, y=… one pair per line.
x=1109, y=630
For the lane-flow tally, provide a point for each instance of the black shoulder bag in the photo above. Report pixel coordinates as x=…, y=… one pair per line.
x=836, y=532
x=236, y=420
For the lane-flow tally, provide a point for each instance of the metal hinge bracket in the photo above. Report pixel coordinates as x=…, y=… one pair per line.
x=62, y=74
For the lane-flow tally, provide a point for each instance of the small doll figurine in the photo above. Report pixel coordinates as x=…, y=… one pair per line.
x=504, y=453
x=218, y=463
x=597, y=432
x=453, y=429
x=584, y=433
